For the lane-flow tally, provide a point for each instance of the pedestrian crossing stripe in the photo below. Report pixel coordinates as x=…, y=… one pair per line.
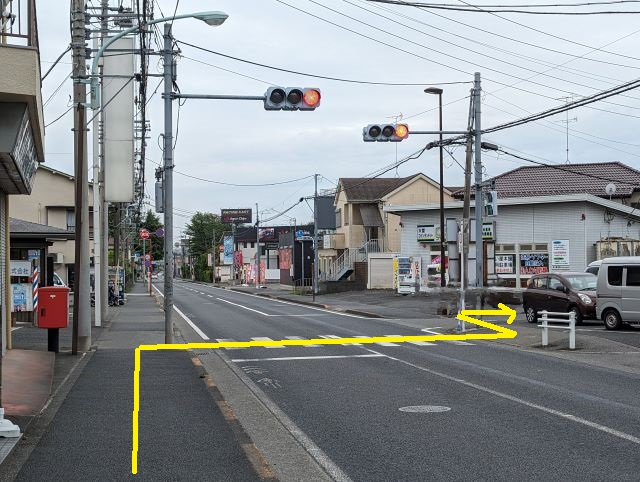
x=274, y=344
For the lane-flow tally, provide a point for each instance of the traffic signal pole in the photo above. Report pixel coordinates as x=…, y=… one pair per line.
x=315, y=238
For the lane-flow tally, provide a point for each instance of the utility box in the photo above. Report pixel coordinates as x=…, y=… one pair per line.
x=53, y=311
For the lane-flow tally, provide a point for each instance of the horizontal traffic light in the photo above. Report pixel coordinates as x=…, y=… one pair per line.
x=385, y=132
x=292, y=98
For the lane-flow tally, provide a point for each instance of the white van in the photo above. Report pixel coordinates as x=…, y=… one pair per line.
x=594, y=267
x=618, y=291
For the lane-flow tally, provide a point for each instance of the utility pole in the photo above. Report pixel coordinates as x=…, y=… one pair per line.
x=478, y=182
x=213, y=257
x=104, y=206
x=315, y=238
x=169, y=74
x=257, y=248
x=81, y=310
x=233, y=245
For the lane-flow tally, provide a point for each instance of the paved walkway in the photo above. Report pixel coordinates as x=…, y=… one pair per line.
x=86, y=434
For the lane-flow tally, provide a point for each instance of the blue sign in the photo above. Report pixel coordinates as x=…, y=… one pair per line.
x=160, y=232
x=228, y=249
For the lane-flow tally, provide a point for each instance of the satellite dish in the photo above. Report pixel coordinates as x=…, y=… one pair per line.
x=610, y=189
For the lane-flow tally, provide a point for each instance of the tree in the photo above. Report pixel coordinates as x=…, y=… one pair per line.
x=155, y=245
x=204, y=229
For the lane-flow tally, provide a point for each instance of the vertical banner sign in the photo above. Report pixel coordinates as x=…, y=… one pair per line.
x=395, y=273
x=118, y=117
x=228, y=249
x=560, y=254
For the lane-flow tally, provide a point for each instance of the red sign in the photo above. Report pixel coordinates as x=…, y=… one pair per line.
x=144, y=234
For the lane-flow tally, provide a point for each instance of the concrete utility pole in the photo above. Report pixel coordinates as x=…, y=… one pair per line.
x=169, y=74
x=213, y=257
x=315, y=238
x=479, y=205
x=81, y=307
x=103, y=206
x=257, y=247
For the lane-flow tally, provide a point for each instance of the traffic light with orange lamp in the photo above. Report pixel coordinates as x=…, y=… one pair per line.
x=385, y=132
x=292, y=98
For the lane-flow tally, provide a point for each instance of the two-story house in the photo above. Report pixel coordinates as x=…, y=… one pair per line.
x=52, y=203
x=362, y=225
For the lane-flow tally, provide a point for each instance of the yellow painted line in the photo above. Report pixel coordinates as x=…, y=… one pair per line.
x=465, y=315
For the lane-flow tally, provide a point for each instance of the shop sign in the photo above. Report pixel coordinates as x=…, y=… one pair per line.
x=505, y=264
x=24, y=152
x=560, y=254
x=534, y=263
x=428, y=233
x=488, y=231
x=20, y=268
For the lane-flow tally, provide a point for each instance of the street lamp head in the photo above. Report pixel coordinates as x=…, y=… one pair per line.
x=433, y=90
x=212, y=19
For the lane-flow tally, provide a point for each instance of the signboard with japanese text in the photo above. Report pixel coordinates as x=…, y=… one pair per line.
x=20, y=268
x=428, y=233
x=560, y=254
x=505, y=264
x=266, y=233
x=488, y=231
x=284, y=256
x=21, y=299
x=534, y=263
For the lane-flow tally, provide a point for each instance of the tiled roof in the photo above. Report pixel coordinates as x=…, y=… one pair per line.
x=371, y=189
x=588, y=178
x=19, y=226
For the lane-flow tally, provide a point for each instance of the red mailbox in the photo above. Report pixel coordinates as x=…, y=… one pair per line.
x=54, y=307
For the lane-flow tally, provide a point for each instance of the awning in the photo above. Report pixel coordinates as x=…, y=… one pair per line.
x=370, y=215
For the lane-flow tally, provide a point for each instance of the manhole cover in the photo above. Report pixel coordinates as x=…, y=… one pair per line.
x=425, y=409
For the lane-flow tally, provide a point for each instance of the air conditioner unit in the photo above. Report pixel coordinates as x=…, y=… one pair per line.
x=58, y=258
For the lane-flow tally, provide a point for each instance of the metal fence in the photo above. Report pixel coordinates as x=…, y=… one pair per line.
x=303, y=286
x=18, y=23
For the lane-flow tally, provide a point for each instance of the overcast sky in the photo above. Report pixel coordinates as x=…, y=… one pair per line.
x=531, y=66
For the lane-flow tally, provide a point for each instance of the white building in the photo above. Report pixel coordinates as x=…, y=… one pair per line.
x=529, y=235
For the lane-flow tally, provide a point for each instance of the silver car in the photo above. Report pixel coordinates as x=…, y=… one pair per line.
x=618, y=291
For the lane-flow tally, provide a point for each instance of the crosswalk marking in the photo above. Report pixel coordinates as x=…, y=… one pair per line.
x=231, y=340
x=266, y=338
x=301, y=338
x=419, y=343
x=335, y=337
x=343, y=344
x=381, y=343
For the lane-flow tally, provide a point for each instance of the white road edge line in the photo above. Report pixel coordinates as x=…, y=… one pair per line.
x=186, y=318
x=551, y=411
x=289, y=358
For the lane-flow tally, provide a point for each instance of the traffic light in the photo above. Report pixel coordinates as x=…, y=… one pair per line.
x=491, y=203
x=292, y=98
x=385, y=132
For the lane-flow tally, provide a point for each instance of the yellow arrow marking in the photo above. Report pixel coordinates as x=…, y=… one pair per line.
x=465, y=315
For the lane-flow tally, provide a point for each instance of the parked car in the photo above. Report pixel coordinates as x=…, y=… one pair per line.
x=561, y=292
x=57, y=281
x=594, y=267
x=619, y=291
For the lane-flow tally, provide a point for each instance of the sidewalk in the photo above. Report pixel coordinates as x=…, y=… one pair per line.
x=85, y=433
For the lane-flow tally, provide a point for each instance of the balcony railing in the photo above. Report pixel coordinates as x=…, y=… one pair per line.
x=18, y=23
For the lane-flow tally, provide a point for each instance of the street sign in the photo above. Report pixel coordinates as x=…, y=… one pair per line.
x=144, y=234
x=159, y=232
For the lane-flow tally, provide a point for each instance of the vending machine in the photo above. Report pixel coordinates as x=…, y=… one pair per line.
x=406, y=278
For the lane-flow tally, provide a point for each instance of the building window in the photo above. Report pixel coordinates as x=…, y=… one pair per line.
x=253, y=244
x=339, y=218
x=346, y=215
x=244, y=245
x=71, y=220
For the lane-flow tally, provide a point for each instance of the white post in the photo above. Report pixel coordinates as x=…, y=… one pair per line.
x=572, y=330
x=545, y=330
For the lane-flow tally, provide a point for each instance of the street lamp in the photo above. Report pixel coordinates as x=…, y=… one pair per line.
x=212, y=18
x=438, y=92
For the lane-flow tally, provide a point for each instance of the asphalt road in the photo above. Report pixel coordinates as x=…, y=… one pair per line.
x=484, y=411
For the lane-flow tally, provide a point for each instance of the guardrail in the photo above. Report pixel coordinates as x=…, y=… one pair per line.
x=566, y=318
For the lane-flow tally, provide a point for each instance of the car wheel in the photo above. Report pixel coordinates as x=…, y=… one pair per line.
x=577, y=314
x=531, y=314
x=612, y=320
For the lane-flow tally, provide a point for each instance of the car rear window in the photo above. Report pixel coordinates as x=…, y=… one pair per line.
x=614, y=275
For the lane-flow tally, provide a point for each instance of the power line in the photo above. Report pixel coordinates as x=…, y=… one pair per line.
x=59, y=117
x=503, y=9
x=278, y=183
x=317, y=76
